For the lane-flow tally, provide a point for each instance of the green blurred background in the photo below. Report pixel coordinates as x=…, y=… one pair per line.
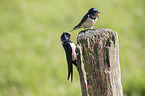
x=32, y=59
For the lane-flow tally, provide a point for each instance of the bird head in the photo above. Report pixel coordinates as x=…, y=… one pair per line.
x=93, y=11
x=65, y=36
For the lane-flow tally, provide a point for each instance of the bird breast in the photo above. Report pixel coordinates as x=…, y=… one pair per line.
x=89, y=22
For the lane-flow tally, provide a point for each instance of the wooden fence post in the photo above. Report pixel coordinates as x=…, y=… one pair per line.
x=98, y=63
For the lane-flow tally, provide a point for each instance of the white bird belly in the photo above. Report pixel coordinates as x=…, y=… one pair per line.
x=74, y=55
x=89, y=23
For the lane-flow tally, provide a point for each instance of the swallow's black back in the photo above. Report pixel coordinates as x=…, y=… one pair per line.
x=68, y=51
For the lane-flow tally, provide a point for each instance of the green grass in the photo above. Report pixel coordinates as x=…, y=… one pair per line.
x=32, y=60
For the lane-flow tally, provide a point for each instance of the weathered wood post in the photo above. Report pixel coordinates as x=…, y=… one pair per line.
x=98, y=63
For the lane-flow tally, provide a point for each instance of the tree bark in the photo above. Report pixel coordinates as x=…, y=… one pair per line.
x=98, y=63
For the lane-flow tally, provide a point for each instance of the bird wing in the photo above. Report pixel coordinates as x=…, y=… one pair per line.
x=82, y=21
x=68, y=51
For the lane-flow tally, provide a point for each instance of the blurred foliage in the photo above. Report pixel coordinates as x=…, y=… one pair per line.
x=32, y=60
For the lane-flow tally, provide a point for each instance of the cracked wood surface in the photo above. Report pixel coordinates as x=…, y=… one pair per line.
x=98, y=63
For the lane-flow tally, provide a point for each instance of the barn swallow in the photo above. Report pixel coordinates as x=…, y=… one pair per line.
x=70, y=50
x=88, y=20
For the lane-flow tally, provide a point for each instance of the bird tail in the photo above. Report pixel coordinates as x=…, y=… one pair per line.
x=76, y=27
x=70, y=73
x=71, y=30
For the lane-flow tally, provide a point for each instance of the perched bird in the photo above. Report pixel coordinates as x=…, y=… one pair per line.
x=88, y=20
x=70, y=50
